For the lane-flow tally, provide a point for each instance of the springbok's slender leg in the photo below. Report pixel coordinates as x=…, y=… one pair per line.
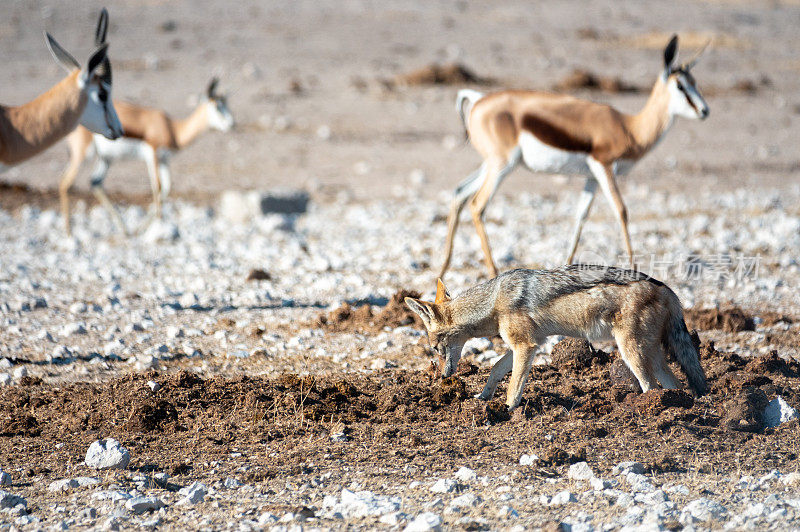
x=166, y=178
x=498, y=169
x=462, y=193
x=605, y=177
x=584, y=204
x=98, y=177
x=77, y=156
x=151, y=159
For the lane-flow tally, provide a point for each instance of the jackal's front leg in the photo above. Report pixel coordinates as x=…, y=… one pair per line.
x=523, y=359
x=499, y=370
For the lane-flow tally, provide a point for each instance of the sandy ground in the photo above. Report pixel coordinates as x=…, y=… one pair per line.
x=308, y=80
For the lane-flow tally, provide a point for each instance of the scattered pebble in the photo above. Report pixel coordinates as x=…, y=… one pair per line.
x=107, y=454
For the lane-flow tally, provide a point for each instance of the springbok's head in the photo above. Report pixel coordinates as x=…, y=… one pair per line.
x=94, y=81
x=219, y=116
x=684, y=97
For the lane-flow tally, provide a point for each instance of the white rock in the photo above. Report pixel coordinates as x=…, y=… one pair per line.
x=623, y=468
x=5, y=478
x=444, y=485
x=153, y=385
x=175, y=332
x=161, y=231
x=562, y=497
x=704, y=509
x=361, y=504
x=267, y=518
x=63, y=485
x=778, y=411
x=392, y=519
x=20, y=372
x=5, y=379
x=231, y=483
x=528, y=459
x=507, y=512
x=73, y=328
x=9, y=500
x=580, y=471
x=474, y=346
x=639, y=483
x=424, y=522
x=599, y=484
x=139, y=505
x=107, y=454
x=465, y=501
x=193, y=493
x=792, y=479
x=466, y=474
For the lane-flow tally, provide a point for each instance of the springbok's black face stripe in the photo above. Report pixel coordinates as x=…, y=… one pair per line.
x=686, y=94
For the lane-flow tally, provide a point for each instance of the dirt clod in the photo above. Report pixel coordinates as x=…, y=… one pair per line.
x=259, y=275
x=745, y=411
x=583, y=79
x=730, y=320
x=577, y=353
x=364, y=319
x=436, y=74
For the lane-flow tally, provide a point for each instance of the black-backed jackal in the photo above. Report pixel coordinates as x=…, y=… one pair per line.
x=593, y=302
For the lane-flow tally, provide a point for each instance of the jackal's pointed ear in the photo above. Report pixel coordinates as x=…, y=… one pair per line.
x=423, y=309
x=442, y=294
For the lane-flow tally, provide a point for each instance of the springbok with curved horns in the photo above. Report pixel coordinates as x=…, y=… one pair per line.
x=150, y=135
x=83, y=97
x=555, y=133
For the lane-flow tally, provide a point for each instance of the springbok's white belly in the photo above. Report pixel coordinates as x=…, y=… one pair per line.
x=3, y=167
x=541, y=157
x=122, y=148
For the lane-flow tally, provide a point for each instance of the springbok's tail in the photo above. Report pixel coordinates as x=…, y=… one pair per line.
x=680, y=343
x=465, y=99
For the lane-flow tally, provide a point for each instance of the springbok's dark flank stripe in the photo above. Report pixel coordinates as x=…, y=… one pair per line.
x=551, y=134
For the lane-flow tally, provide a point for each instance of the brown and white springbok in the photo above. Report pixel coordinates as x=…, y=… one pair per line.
x=83, y=97
x=150, y=135
x=561, y=134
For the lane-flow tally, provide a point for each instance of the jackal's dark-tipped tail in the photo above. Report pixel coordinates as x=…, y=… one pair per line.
x=680, y=344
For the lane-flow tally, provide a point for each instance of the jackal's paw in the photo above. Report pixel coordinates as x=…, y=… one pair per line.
x=483, y=396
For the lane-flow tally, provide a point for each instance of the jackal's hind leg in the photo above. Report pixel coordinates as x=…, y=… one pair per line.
x=663, y=373
x=500, y=369
x=635, y=357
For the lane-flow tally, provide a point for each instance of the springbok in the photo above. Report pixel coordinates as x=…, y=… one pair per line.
x=150, y=135
x=561, y=134
x=83, y=97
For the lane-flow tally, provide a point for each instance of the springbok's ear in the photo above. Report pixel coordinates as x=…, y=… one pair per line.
x=97, y=59
x=102, y=28
x=442, y=294
x=212, y=87
x=62, y=57
x=423, y=309
x=670, y=52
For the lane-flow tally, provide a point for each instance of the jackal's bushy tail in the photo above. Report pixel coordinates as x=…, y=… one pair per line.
x=680, y=344
x=465, y=99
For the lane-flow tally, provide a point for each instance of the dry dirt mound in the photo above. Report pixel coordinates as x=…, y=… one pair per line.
x=436, y=74
x=389, y=417
x=583, y=79
x=731, y=319
x=364, y=319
